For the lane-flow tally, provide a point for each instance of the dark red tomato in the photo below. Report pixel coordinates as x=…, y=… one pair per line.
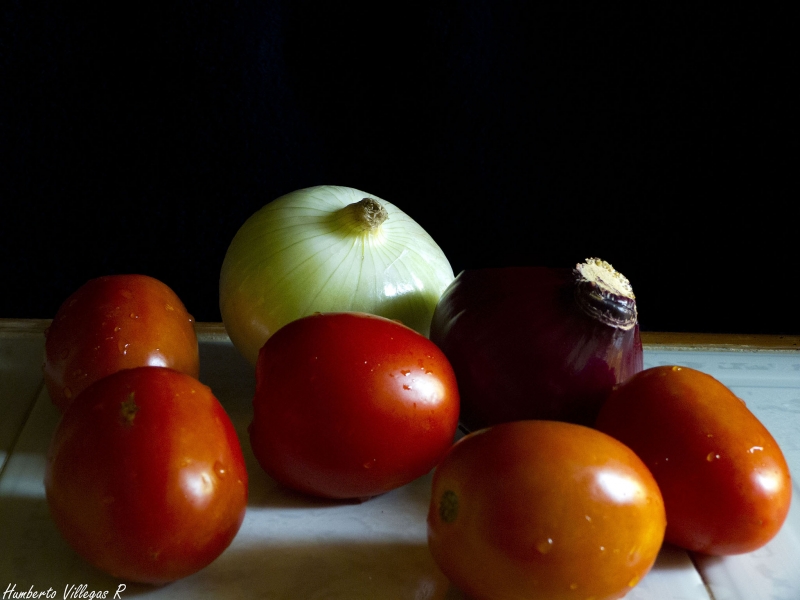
x=544, y=509
x=725, y=481
x=351, y=405
x=145, y=475
x=112, y=323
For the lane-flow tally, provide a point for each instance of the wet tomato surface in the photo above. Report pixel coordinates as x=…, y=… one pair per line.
x=351, y=405
x=725, y=481
x=116, y=322
x=145, y=476
x=544, y=509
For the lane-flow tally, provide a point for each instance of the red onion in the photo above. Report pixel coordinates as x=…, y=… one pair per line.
x=536, y=342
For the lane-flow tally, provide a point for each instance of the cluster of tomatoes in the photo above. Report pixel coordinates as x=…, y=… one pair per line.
x=351, y=405
x=145, y=475
x=558, y=510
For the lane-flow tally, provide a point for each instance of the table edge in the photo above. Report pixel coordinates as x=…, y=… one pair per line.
x=651, y=340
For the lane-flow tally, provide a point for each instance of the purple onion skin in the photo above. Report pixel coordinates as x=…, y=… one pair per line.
x=522, y=348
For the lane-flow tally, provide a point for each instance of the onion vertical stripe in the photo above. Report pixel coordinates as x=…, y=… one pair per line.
x=328, y=249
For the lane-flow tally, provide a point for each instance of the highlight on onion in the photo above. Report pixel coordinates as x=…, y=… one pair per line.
x=537, y=342
x=328, y=249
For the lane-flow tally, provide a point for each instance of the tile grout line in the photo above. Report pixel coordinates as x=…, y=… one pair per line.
x=706, y=584
x=13, y=446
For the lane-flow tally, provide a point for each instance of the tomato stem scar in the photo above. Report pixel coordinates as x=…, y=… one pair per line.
x=448, y=506
x=128, y=410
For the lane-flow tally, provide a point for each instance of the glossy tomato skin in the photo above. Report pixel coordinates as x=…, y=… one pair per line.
x=544, y=510
x=145, y=476
x=725, y=481
x=351, y=405
x=112, y=323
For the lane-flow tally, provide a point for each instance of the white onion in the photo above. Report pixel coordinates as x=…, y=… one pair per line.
x=325, y=249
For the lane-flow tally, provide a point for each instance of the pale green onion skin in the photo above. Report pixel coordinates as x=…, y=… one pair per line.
x=302, y=254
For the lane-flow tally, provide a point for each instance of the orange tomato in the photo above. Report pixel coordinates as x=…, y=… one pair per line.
x=544, y=509
x=725, y=481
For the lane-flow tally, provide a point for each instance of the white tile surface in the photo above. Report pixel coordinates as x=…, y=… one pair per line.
x=769, y=383
x=294, y=547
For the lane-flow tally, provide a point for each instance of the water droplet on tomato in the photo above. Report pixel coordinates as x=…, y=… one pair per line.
x=405, y=372
x=711, y=456
x=122, y=347
x=67, y=393
x=634, y=580
x=573, y=586
x=406, y=387
x=169, y=306
x=676, y=368
x=755, y=448
x=545, y=546
x=219, y=469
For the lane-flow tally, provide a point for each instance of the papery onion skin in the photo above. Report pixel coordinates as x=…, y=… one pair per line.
x=308, y=251
x=522, y=347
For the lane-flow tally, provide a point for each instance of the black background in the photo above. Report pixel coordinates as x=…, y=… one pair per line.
x=138, y=139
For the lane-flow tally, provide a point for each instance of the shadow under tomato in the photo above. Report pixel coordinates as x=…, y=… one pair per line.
x=222, y=367
x=672, y=557
x=292, y=554
x=324, y=569
x=36, y=556
x=265, y=492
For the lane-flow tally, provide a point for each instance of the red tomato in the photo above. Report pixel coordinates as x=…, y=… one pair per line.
x=145, y=475
x=351, y=405
x=725, y=482
x=112, y=323
x=544, y=509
